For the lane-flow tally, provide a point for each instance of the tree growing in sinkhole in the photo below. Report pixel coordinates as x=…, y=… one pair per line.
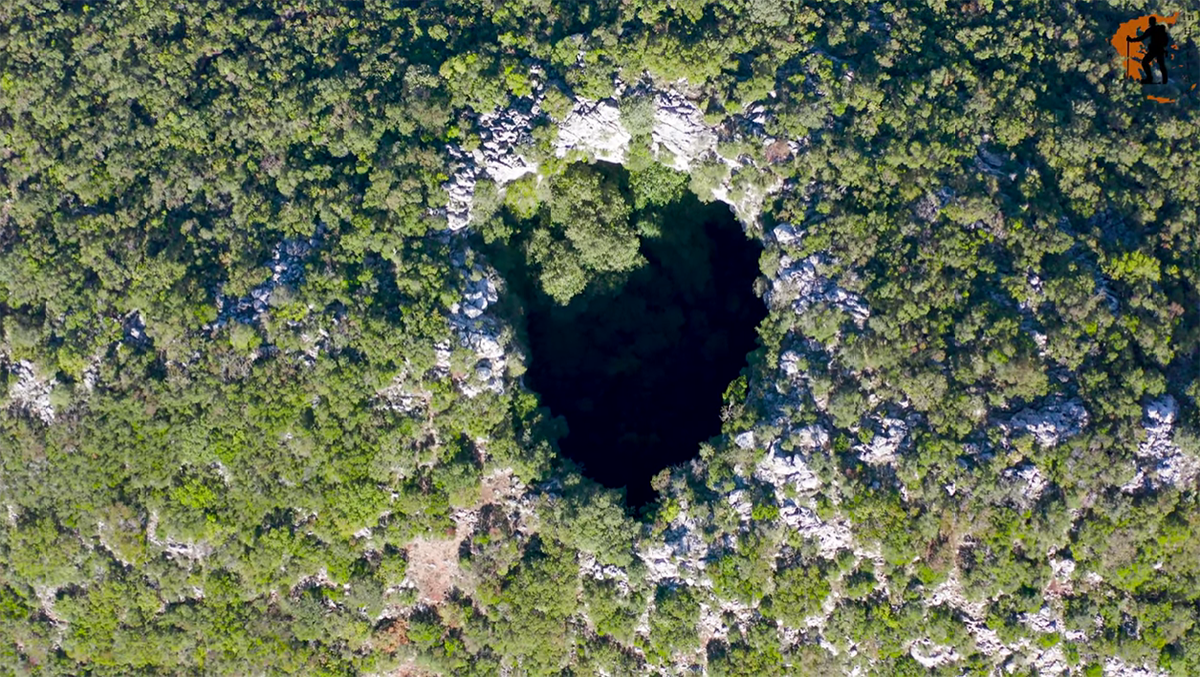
x=584, y=231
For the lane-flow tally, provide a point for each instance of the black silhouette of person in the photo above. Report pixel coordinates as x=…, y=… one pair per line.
x=1156, y=50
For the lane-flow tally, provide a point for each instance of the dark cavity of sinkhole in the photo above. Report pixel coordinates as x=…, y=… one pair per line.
x=638, y=363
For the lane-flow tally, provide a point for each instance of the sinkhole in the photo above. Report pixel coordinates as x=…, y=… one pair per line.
x=636, y=303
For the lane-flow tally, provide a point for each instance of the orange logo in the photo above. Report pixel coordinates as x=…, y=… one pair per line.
x=1145, y=41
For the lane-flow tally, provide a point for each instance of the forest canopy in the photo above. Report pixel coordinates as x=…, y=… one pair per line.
x=263, y=412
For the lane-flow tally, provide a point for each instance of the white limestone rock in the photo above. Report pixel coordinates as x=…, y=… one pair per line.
x=1160, y=459
x=1028, y=483
x=1045, y=621
x=477, y=330
x=660, y=564
x=680, y=554
x=287, y=270
x=194, y=552
x=792, y=480
x=460, y=189
x=402, y=396
x=1115, y=667
x=1054, y=422
x=679, y=137
x=591, y=567
x=741, y=504
x=782, y=471
x=786, y=234
x=802, y=284
x=712, y=623
x=884, y=446
x=811, y=438
x=31, y=393
x=1052, y=661
x=789, y=363
x=932, y=655
x=595, y=128
x=501, y=132
x=679, y=129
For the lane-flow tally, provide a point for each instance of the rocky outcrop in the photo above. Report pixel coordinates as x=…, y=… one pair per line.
x=795, y=485
x=1115, y=667
x=502, y=132
x=680, y=135
x=1050, y=424
x=594, y=128
x=1028, y=483
x=31, y=393
x=402, y=397
x=680, y=138
x=497, y=158
x=478, y=331
x=1161, y=463
x=680, y=555
x=460, y=189
x=932, y=656
x=803, y=283
x=287, y=269
x=885, y=444
x=475, y=330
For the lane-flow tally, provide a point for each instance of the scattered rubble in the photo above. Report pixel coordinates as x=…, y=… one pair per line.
x=590, y=567
x=803, y=285
x=1028, y=482
x=740, y=502
x=400, y=396
x=794, y=484
x=477, y=330
x=502, y=131
x=744, y=440
x=679, y=555
x=784, y=470
x=1115, y=667
x=287, y=269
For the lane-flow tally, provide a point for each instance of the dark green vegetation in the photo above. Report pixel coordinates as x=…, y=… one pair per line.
x=638, y=357
x=201, y=502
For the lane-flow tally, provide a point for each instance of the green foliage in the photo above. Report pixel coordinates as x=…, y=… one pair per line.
x=584, y=231
x=594, y=216
x=743, y=574
x=613, y=611
x=593, y=520
x=707, y=177
x=799, y=592
x=224, y=492
x=532, y=612
x=672, y=623
x=757, y=653
x=637, y=115
x=656, y=185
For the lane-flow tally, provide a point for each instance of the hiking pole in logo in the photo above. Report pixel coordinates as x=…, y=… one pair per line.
x=1156, y=50
x=1157, y=46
